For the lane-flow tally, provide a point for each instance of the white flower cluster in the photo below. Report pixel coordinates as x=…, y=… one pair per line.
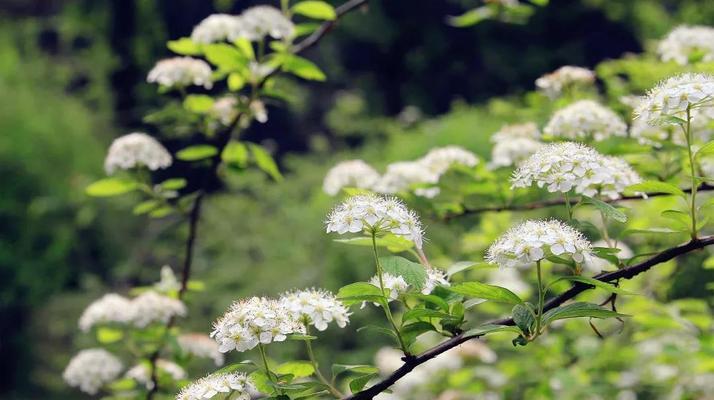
x=200, y=345
x=686, y=42
x=674, y=96
x=434, y=277
x=597, y=264
x=151, y=307
x=350, y=173
x=142, y=372
x=395, y=285
x=91, y=369
x=403, y=174
x=553, y=84
x=250, y=322
x=508, y=132
x=511, y=152
x=180, y=72
x=110, y=308
x=566, y=166
x=136, y=150
x=217, y=28
x=205, y=388
x=371, y=213
x=261, y=21
x=586, y=119
x=533, y=241
x=316, y=307
x=168, y=282
x=440, y=159
x=224, y=109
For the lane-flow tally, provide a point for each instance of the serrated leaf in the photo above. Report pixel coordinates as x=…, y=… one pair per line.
x=184, y=46
x=655, y=187
x=487, y=292
x=523, y=317
x=578, y=310
x=414, y=274
x=265, y=162
x=411, y=331
x=594, y=282
x=261, y=382
x=607, y=210
x=111, y=187
x=359, y=291
x=298, y=369
x=358, y=383
x=315, y=9
x=197, y=152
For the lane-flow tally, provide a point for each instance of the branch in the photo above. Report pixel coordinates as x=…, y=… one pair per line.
x=326, y=27
x=577, y=288
x=705, y=187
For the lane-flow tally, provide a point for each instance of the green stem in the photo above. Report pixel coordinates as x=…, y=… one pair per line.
x=568, y=207
x=541, y=298
x=319, y=375
x=692, y=168
x=605, y=235
x=271, y=376
x=385, y=306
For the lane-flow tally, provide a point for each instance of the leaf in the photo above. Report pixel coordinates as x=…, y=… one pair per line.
x=706, y=150
x=236, y=366
x=488, y=292
x=301, y=337
x=359, y=291
x=358, y=383
x=594, y=282
x=111, y=187
x=235, y=81
x=315, y=9
x=235, y=153
x=173, y=184
x=109, y=335
x=379, y=329
x=299, y=369
x=198, y=103
x=523, y=317
x=489, y=328
x=265, y=162
x=225, y=56
x=471, y=17
x=431, y=299
x=122, y=385
x=146, y=206
x=261, y=382
x=412, y=331
x=392, y=242
x=246, y=47
x=655, y=231
x=184, y=46
x=607, y=210
x=197, y=152
x=306, y=28
x=414, y=274
x=464, y=265
x=655, y=187
x=361, y=369
x=577, y=310
x=302, y=68
x=417, y=313
x=161, y=212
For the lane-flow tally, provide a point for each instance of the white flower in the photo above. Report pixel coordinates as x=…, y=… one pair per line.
x=200, y=345
x=510, y=152
x=224, y=110
x=528, y=130
x=371, y=213
x=394, y=285
x=181, y=72
x=236, y=383
x=151, y=307
x=261, y=21
x=434, y=277
x=315, y=307
x=597, y=264
x=686, y=42
x=91, y=369
x=552, y=84
x=566, y=166
x=168, y=283
x=403, y=174
x=217, y=28
x=250, y=322
x=350, y=173
x=142, y=372
x=674, y=96
x=111, y=308
x=533, y=241
x=136, y=150
x=586, y=119
x=440, y=159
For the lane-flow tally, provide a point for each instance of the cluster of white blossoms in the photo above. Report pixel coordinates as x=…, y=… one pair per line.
x=151, y=307
x=237, y=384
x=200, y=345
x=180, y=72
x=675, y=96
x=350, y=173
x=586, y=119
x=91, y=369
x=508, y=132
x=217, y=28
x=136, y=150
x=684, y=43
x=566, y=166
x=375, y=214
x=253, y=24
x=254, y=321
x=224, y=110
x=110, y=308
x=553, y=84
x=142, y=372
x=395, y=285
x=316, y=307
x=403, y=174
x=533, y=241
x=434, y=277
x=511, y=152
x=440, y=159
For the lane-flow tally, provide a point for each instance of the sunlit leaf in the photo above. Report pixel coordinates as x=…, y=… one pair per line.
x=111, y=187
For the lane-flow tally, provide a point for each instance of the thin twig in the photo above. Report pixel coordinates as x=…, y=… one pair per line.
x=576, y=289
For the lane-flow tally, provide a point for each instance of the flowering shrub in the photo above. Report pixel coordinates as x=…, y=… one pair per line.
x=428, y=305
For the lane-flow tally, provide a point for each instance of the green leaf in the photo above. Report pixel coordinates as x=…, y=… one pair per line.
x=161, y=212
x=173, y=184
x=315, y=9
x=235, y=153
x=414, y=274
x=577, y=310
x=655, y=187
x=411, y=331
x=489, y=328
x=706, y=150
x=265, y=162
x=122, y=385
x=361, y=369
x=358, y=383
x=306, y=28
x=654, y=231
x=594, y=282
x=111, y=187
x=431, y=299
x=417, y=313
x=107, y=335
x=299, y=369
x=235, y=81
x=488, y=292
x=302, y=68
x=464, y=265
x=225, y=56
x=198, y=103
x=379, y=329
x=236, y=366
x=607, y=210
x=359, y=291
x=301, y=337
x=392, y=242
x=197, y=152
x=471, y=17
x=246, y=47
x=146, y=206
x=523, y=317
x=261, y=382
x=184, y=46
